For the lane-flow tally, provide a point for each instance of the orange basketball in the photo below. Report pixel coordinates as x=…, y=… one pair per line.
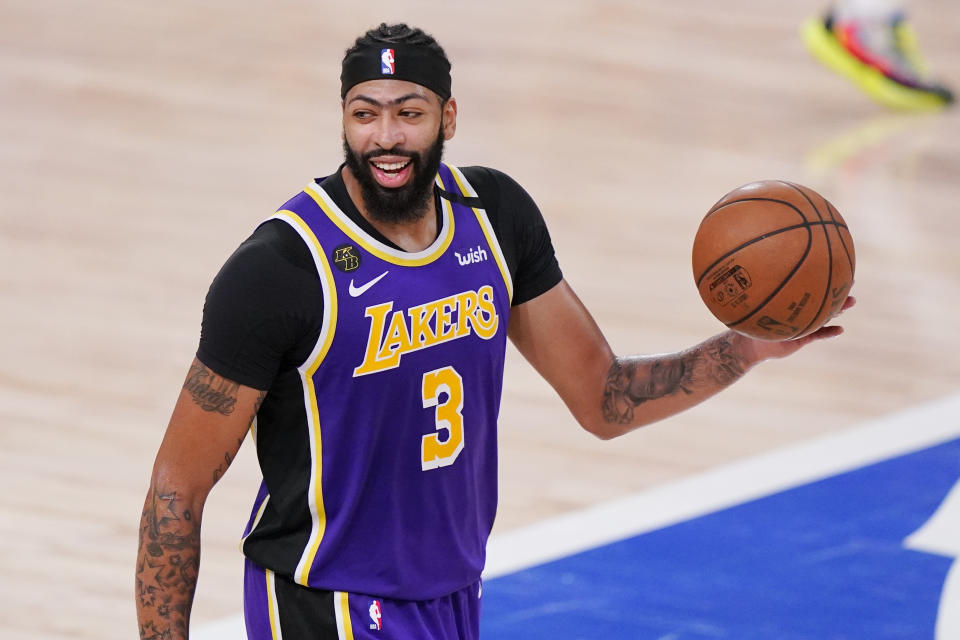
x=773, y=260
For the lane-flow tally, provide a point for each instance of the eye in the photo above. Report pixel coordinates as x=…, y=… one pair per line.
x=410, y=114
x=362, y=114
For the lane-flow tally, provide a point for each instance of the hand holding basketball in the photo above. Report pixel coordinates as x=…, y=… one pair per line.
x=760, y=350
x=774, y=260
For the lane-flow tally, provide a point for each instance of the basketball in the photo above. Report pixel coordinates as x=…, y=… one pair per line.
x=773, y=260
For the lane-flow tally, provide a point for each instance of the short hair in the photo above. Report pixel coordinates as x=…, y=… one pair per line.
x=398, y=34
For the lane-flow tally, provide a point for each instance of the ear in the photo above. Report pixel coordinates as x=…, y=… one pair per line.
x=449, y=118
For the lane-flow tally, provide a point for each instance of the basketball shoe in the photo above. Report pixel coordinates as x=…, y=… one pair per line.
x=882, y=59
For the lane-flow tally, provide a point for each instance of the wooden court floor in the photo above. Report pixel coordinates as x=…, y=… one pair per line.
x=140, y=143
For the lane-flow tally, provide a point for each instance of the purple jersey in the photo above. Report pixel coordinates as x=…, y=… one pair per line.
x=395, y=490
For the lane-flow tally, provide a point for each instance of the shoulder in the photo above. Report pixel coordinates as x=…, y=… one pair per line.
x=269, y=270
x=520, y=229
x=263, y=308
x=494, y=186
x=273, y=244
x=508, y=205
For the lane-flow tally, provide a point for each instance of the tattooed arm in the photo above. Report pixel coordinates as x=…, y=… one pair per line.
x=208, y=425
x=610, y=395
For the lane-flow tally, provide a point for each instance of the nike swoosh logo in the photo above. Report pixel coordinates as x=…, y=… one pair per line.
x=359, y=291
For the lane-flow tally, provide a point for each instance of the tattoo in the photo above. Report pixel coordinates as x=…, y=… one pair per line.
x=256, y=406
x=227, y=458
x=625, y=389
x=631, y=382
x=167, y=565
x=723, y=365
x=222, y=469
x=210, y=391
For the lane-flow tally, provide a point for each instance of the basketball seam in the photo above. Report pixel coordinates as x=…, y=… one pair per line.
x=727, y=204
x=831, y=210
x=782, y=284
x=729, y=253
x=802, y=225
x=826, y=236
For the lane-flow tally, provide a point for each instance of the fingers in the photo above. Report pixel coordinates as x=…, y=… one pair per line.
x=824, y=332
x=766, y=350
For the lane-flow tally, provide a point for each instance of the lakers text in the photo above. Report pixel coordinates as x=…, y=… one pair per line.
x=394, y=333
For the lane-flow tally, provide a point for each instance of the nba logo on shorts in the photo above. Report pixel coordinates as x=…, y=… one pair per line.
x=376, y=616
x=386, y=62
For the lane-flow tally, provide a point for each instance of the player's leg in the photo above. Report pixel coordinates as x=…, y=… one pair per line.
x=872, y=44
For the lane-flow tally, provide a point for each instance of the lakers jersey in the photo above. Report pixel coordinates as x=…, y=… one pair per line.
x=392, y=483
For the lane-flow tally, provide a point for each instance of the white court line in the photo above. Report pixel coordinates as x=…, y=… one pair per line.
x=719, y=488
x=725, y=486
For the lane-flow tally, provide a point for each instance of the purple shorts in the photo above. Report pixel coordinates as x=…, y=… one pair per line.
x=275, y=607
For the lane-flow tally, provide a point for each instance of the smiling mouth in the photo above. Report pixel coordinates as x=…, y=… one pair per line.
x=391, y=167
x=392, y=175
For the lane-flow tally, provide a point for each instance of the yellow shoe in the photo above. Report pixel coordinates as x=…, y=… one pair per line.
x=885, y=63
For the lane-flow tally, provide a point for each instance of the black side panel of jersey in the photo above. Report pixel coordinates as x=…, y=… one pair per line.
x=521, y=232
x=282, y=438
x=261, y=320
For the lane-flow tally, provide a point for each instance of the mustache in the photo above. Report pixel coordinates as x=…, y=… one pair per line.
x=370, y=155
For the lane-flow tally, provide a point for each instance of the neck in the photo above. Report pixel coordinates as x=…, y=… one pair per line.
x=410, y=236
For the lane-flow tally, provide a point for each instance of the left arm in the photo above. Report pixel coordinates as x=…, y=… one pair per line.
x=611, y=395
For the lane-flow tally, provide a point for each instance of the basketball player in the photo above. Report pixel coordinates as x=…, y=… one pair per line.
x=364, y=327
x=871, y=43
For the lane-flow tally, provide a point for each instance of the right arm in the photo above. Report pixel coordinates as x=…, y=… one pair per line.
x=208, y=425
x=610, y=395
x=262, y=313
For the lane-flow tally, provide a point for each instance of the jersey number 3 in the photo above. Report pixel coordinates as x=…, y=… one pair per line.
x=448, y=417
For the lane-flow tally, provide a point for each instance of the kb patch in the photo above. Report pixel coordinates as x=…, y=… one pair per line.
x=346, y=258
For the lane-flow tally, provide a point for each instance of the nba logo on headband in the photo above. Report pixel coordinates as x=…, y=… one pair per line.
x=386, y=62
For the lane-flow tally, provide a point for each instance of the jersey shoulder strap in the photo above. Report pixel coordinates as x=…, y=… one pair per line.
x=457, y=190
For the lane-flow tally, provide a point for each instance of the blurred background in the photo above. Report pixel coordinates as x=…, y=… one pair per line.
x=140, y=143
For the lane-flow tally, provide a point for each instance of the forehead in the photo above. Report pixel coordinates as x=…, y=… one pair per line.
x=386, y=91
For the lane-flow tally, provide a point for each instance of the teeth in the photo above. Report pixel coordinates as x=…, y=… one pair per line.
x=391, y=166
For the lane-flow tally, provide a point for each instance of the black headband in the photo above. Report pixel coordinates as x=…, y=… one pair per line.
x=396, y=62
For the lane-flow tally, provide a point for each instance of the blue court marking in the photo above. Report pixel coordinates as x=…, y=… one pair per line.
x=821, y=560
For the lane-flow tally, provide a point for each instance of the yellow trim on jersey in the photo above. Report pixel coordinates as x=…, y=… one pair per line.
x=315, y=492
x=273, y=612
x=341, y=606
x=256, y=520
x=377, y=248
x=467, y=190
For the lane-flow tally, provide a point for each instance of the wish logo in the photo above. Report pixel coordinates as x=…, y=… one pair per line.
x=473, y=255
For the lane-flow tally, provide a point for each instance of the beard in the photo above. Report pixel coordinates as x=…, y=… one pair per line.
x=407, y=203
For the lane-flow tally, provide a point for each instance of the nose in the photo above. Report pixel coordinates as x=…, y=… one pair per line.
x=389, y=134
